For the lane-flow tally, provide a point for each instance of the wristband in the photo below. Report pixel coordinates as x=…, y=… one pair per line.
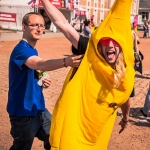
x=125, y=121
x=64, y=62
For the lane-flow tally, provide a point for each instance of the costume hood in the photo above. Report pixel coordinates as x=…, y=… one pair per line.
x=117, y=26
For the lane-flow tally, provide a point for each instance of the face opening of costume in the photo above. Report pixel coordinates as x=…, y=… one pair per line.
x=110, y=50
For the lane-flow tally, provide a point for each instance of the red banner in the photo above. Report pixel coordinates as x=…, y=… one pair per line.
x=135, y=21
x=56, y=3
x=81, y=13
x=71, y=4
x=7, y=17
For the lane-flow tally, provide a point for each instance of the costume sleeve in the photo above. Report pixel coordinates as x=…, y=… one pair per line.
x=22, y=55
x=82, y=45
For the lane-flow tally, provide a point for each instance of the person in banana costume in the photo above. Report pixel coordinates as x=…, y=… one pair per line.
x=85, y=111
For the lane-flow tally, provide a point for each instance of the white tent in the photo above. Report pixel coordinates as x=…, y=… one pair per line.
x=12, y=12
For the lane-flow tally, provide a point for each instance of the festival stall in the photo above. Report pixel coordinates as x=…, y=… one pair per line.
x=66, y=7
x=11, y=13
x=81, y=14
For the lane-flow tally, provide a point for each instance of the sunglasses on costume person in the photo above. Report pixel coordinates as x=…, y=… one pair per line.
x=106, y=40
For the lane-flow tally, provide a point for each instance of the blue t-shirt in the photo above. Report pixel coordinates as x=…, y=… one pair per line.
x=25, y=97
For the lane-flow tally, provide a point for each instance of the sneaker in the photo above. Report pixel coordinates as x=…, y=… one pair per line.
x=141, y=110
x=143, y=121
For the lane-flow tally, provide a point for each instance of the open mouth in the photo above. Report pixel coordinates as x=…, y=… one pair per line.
x=111, y=54
x=38, y=34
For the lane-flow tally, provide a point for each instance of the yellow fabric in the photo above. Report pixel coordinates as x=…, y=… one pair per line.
x=82, y=118
x=92, y=29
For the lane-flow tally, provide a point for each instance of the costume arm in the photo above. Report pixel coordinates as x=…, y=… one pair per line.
x=61, y=23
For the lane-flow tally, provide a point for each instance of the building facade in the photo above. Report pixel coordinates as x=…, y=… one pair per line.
x=100, y=8
x=12, y=11
x=144, y=9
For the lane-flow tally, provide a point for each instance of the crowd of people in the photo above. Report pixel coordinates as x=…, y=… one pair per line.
x=101, y=79
x=84, y=26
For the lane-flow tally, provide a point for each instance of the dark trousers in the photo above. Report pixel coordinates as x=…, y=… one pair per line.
x=24, y=129
x=145, y=33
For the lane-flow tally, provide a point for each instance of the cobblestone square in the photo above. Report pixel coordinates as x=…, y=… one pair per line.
x=135, y=137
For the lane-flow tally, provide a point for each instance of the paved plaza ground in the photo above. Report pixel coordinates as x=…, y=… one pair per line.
x=135, y=137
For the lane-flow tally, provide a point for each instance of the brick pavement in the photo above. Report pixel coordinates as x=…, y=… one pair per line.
x=135, y=137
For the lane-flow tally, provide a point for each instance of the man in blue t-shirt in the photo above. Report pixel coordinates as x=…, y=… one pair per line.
x=26, y=105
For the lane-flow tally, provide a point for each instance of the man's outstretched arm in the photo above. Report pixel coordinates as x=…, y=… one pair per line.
x=61, y=23
x=37, y=63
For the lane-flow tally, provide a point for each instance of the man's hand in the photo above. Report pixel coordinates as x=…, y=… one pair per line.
x=123, y=125
x=73, y=60
x=46, y=82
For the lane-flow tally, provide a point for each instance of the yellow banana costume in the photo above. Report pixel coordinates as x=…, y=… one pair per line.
x=82, y=118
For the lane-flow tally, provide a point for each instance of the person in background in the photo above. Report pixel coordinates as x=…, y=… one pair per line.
x=145, y=27
x=145, y=110
x=137, y=54
x=135, y=50
x=47, y=21
x=87, y=28
x=149, y=28
x=77, y=26
x=81, y=25
x=72, y=22
x=28, y=115
x=93, y=24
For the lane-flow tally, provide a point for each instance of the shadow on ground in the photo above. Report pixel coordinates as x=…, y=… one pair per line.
x=136, y=114
x=145, y=76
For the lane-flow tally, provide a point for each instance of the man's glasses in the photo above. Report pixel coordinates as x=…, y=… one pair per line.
x=35, y=26
x=106, y=40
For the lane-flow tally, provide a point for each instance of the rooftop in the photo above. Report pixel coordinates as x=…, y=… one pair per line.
x=144, y=4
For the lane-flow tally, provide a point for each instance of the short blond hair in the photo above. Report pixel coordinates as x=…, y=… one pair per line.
x=26, y=18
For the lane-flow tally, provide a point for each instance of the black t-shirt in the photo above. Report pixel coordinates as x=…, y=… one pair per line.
x=82, y=45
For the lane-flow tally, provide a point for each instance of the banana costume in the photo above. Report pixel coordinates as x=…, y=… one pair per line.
x=82, y=118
